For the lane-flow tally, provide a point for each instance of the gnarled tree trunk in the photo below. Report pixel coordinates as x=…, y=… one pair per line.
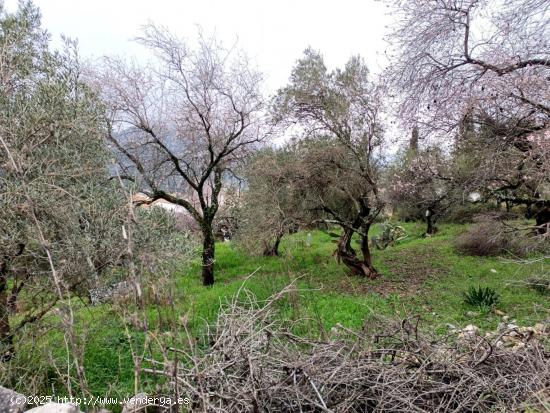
x=347, y=255
x=273, y=250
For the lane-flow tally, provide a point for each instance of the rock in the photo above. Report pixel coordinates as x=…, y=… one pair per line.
x=512, y=342
x=471, y=314
x=137, y=403
x=11, y=402
x=469, y=331
x=117, y=291
x=336, y=329
x=541, y=328
x=56, y=408
x=527, y=331
x=493, y=270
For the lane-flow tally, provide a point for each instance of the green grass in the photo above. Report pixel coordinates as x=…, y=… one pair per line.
x=419, y=276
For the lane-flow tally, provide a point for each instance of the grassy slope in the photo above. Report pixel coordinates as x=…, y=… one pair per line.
x=419, y=276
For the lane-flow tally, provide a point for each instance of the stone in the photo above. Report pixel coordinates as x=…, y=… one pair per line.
x=469, y=331
x=56, y=408
x=117, y=291
x=11, y=401
x=541, y=328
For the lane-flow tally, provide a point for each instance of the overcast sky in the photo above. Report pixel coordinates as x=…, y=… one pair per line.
x=274, y=33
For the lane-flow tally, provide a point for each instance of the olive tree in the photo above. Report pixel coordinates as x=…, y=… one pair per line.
x=59, y=220
x=338, y=114
x=270, y=206
x=180, y=126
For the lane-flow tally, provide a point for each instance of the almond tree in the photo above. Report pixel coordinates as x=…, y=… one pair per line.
x=341, y=110
x=485, y=61
x=180, y=126
x=515, y=174
x=423, y=182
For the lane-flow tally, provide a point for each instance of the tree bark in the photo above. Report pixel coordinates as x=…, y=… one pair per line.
x=273, y=250
x=208, y=251
x=430, y=222
x=542, y=219
x=528, y=211
x=20, y=278
x=6, y=339
x=365, y=250
x=347, y=255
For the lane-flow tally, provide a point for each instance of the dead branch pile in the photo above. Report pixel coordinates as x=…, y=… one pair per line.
x=254, y=364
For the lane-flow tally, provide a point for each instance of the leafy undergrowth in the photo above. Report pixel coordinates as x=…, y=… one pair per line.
x=419, y=276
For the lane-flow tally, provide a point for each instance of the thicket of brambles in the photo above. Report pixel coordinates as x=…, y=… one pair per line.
x=89, y=151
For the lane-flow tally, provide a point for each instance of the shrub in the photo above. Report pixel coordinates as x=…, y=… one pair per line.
x=483, y=239
x=481, y=297
x=540, y=284
x=489, y=237
x=524, y=245
x=467, y=213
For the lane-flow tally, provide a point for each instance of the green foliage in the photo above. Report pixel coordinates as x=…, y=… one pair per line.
x=390, y=235
x=419, y=276
x=271, y=206
x=481, y=297
x=53, y=161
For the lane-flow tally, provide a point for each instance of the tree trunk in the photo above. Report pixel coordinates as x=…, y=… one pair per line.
x=431, y=228
x=6, y=339
x=542, y=219
x=208, y=250
x=273, y=251
x=347, y=255
x=365, y=250
x=20, y=278
x=528, y=211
